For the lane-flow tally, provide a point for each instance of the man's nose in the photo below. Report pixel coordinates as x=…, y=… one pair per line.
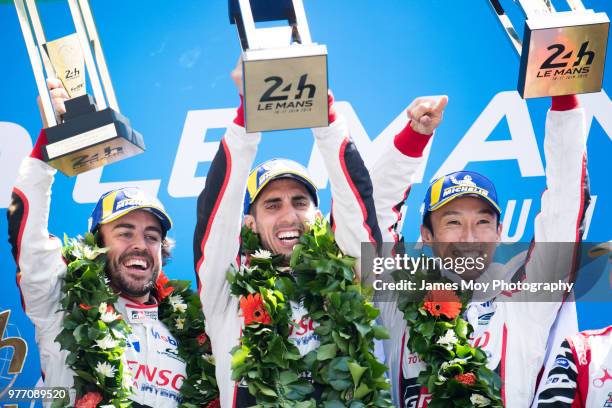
x=289, y=216
x=469, y=234
x=139, y=242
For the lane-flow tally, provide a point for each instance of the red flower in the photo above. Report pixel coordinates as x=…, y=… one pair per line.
x=254, y=310
x=214, y=404
x=442, y=302
x=467, y=378
x=85, y=307
x=162, y=290
x=202, y=339
x=89, y=400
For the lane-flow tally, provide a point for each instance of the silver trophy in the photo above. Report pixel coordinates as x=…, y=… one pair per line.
x=284, y=72
x=92, y=132
x=561, y=53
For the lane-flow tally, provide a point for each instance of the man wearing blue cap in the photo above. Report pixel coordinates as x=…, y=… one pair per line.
x=280, y=198
x=133, y=225
x=462, y=218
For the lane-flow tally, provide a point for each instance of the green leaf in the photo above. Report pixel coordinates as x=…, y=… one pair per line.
x=461, y=328
x=463, y=351
x=267, y=391
x=362, y=391
x=287, y=377
x=380, y=333
x=295, y=255
x=356, y=371
x=340, y=384
x=427, y=328
x=239, y=356
x=326, y=352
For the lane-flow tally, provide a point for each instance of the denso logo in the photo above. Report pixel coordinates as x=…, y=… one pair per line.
x=305, y=325
x=156, y=376
x=164, y=338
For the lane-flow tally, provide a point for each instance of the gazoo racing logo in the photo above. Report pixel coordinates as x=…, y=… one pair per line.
x=285, y=98
x=564, y=65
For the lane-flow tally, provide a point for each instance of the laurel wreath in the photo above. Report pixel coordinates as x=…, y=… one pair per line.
x=322, y=278
x=95, y=335
x=456, y=374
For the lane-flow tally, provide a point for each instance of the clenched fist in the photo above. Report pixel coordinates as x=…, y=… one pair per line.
x=425, y=113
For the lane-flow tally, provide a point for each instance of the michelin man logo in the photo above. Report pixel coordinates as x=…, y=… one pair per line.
x=467, y=181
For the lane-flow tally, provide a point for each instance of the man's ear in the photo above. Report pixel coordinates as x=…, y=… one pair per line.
x=499, y=232
x=318, y=215
x=426, y=235
x=249, y=222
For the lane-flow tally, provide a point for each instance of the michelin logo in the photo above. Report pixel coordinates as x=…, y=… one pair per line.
x=464, y=186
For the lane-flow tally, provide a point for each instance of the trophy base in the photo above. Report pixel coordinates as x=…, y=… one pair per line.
x=563, y=54
x=91, y=140
x=285, y=88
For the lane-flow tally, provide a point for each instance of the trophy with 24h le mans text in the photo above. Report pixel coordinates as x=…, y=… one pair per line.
x=561, y=53
x=284, y=72
x=92, y=132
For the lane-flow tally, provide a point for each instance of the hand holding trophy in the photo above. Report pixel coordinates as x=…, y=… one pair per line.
x=88, y=132
x=562, y=53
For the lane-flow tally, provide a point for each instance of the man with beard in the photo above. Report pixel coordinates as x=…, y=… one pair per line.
x=462, y=218
x=133, y=225
x=280, y=198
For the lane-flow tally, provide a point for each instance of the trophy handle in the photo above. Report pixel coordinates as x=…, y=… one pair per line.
x=507, y=25
x=34, y=37
x=92, y=32
x=37, y=58
x=245, y=13
x=531, y=8
x=82, y=34
x=576, y=5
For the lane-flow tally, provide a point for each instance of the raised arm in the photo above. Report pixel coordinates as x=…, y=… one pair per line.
x=216, y=241
x=557, y=233
x=560, y=224
x=37, y=253
x=393, y=173
x=353, y=213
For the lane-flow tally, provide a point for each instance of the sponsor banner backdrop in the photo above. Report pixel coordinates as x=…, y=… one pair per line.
x=170, y=65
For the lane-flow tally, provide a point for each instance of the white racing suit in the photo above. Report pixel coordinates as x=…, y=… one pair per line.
x=581, y=375
x=513, y=334
x=151, y=354
x=217, y=237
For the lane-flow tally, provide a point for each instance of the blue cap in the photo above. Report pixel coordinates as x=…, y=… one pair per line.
x=276, y=169
x=117, y=203
x=458, y=184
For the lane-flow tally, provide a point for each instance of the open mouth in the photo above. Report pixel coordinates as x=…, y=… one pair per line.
x=136, y=264
x=288, y=238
